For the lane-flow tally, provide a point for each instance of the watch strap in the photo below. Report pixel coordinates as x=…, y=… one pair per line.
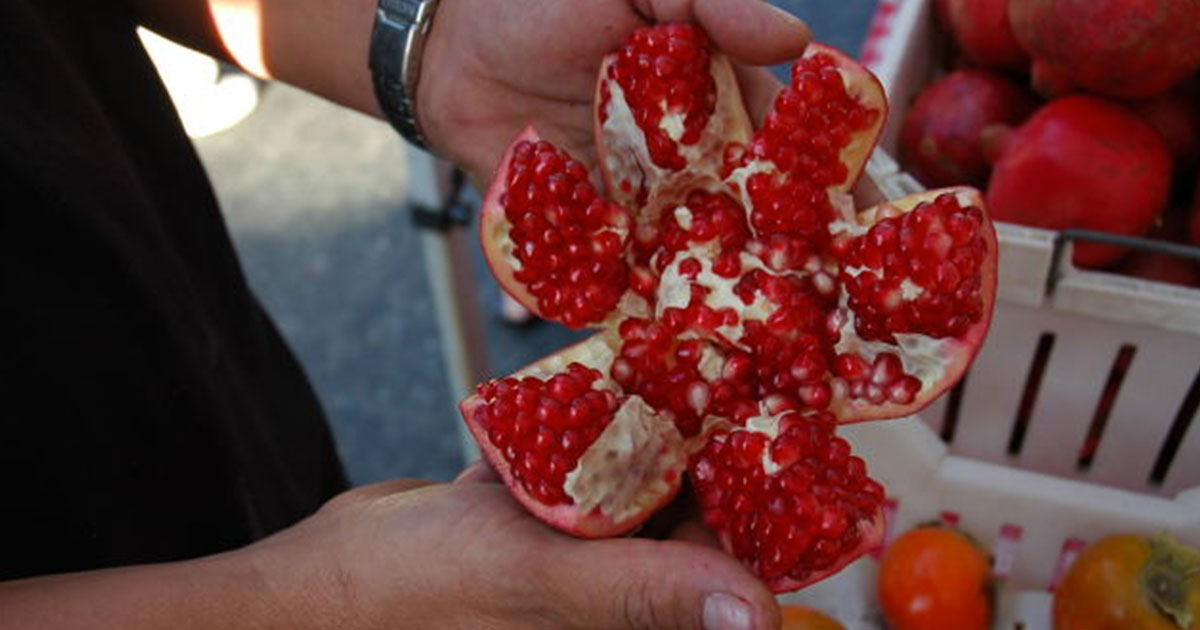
x=397, y=46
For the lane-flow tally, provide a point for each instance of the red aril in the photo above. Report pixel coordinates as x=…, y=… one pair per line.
x=745, y=307
x=982, y=30
x=1127, y=49
x=941, y=140
x=1082, y=162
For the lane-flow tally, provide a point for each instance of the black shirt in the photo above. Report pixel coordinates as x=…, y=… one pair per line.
x=149, y=410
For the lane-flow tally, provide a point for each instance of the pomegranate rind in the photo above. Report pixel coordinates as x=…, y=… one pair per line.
x=595, y=352
x=955, y=353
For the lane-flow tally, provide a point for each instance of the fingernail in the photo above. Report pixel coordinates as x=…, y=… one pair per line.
x=723, y=611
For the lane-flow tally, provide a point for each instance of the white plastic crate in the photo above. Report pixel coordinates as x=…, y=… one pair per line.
x=1014, y=469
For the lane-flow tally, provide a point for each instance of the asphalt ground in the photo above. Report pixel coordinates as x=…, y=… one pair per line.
x=315, y=197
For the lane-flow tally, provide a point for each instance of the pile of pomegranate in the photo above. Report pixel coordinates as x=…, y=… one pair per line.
x=1073, y=114
x=744, y=307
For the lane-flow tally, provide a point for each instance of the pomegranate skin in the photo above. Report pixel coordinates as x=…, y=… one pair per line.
x=1194, y=223
x=1176, y=116
x=1127, y=49
x=982, y=30
x=1162, y=268
x=940, y=141
x=1083, y=162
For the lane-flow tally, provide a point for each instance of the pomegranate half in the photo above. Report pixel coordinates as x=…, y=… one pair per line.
x=744, y=307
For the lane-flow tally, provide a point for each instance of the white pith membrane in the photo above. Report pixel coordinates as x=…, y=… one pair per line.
x=624, y=148
x=637, y=461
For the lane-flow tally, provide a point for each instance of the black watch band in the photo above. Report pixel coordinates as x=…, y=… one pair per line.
x=397, y=44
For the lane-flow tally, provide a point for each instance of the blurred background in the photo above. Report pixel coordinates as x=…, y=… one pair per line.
x=315, y=197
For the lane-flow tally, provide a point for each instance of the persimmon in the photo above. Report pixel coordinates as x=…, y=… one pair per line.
x=1131, y=582
x=935, y=578
x=804, y=618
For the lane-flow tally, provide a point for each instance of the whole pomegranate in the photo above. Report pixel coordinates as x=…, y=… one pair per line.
x=1162, y=268
x=1082, y=162
x=940, y=140
x=1131, y=582
x=1194, y=222
x=982, y=31
x=745, y=308
x=1176, y=117
x=1127, y=49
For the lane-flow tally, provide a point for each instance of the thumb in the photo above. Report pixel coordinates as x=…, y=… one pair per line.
x=647, y=584
x=753, y=32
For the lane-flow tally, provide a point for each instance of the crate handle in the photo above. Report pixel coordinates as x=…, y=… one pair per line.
x=1104, y=238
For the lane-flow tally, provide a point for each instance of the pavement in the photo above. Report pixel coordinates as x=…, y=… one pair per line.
x=314, y=196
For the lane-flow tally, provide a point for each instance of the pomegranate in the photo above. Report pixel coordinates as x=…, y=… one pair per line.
x=1176, y=117
x=1194, y=222
x=1082, y=162
x=940, y=141
x=1162, y=268
x=745, y=308
x=1127, y=49
x=982, y=31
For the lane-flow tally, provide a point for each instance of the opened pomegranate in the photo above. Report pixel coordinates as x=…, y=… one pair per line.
x=1082, y=162
x=745, y=308
x=1127, y=49
x=982, y=30
x=941, y=139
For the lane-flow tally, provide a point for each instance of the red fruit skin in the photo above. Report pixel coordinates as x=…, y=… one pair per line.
x=1176, y=116
x=1162, y=268
x=1194, y=224
x=941, y=11
x=982, y=30
x=1083, y=162
x=1127, y=49
x=940, y=141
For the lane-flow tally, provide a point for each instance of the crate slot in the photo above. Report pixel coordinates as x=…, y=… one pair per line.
x=1154, y=391
x=1033, y=383
x=1108, y=398
x=1179, y=428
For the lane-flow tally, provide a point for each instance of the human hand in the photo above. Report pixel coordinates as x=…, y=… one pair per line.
x=492, y=68
x=408, y=554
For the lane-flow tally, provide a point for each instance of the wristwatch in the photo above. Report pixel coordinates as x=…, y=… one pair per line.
x=397, y=44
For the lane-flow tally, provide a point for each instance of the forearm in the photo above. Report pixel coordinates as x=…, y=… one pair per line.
x=317, y=45
x=223, y=591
